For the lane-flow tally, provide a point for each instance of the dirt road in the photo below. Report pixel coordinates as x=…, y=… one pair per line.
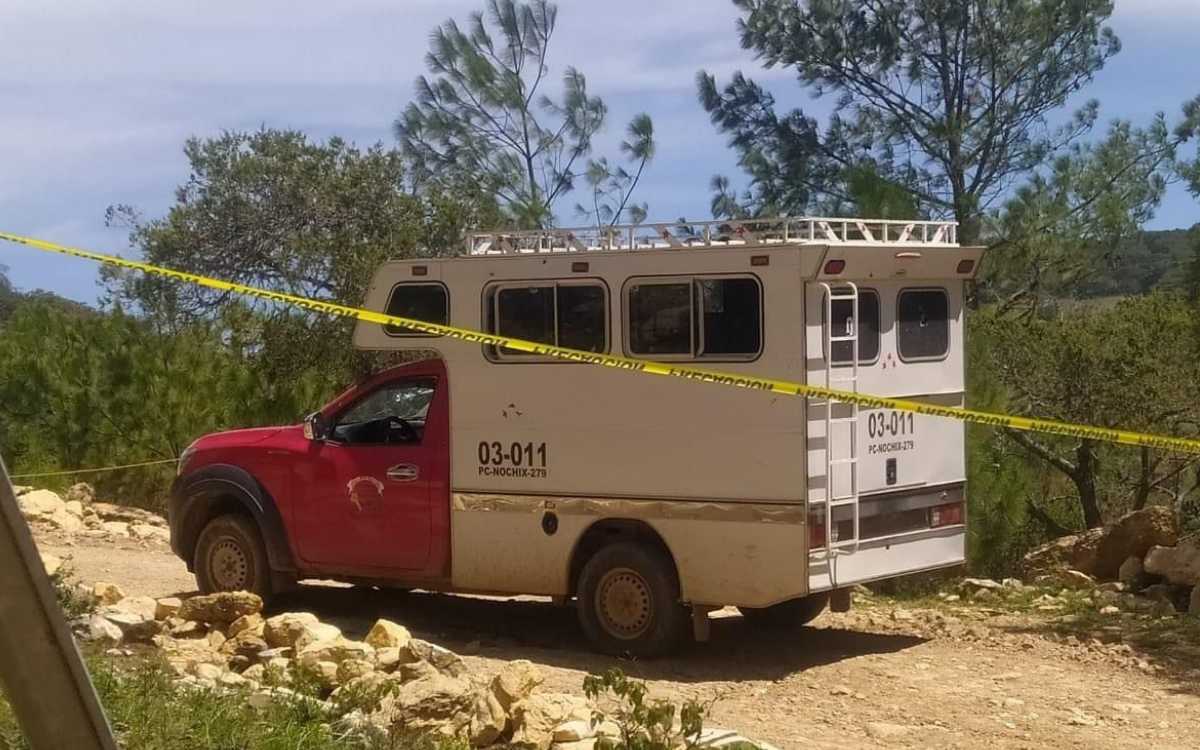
x=885, y=674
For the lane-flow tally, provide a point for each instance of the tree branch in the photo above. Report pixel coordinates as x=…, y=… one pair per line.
x=1024, y=440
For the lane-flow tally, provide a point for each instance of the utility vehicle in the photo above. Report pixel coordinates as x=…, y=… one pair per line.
x=648, y=501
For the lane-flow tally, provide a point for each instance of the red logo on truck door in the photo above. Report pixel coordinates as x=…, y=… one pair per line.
x=366, y=493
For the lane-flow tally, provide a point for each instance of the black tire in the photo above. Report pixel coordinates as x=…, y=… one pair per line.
x=629, y=601
x=789, y=615
x=230, y=556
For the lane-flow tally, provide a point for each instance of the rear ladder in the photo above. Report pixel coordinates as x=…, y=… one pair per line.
x=847, y=292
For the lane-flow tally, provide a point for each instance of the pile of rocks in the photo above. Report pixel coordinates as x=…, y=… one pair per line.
x=223, y=642
x=78, y=513
x=1140, y=554
x=1051, y=592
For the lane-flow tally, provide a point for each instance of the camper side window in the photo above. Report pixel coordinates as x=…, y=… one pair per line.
x=525, y=313
x=660, y=318
x=695, y=318
x=922, y=324
x=573, y=315
x=729, y=318
x=419, y=301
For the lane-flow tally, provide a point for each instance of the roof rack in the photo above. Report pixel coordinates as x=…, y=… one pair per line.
x=682, y=235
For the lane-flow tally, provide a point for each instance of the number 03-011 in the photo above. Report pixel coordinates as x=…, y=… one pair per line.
x=515, y=454
x=891, y=424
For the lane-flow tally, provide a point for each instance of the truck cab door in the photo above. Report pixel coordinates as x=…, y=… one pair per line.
x=370, y=482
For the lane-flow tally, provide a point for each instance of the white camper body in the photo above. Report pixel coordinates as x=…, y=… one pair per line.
x=734, y=483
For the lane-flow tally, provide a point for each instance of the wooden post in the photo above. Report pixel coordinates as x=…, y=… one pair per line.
x=42, y=673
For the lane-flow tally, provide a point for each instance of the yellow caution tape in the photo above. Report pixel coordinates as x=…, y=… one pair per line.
x=735, y=380
x=95, y=470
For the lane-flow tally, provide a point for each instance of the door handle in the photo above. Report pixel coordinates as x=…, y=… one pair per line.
x=403, y=473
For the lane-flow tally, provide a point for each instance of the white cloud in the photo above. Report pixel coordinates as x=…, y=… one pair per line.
x=349, y=42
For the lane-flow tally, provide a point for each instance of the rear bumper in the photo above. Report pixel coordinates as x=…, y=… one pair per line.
x=889, y=557
x=897, y=537
x=895, y=513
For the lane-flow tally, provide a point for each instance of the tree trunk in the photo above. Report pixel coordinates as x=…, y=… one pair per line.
x=1144, y=480
x=970, y=224
x=1085, y=482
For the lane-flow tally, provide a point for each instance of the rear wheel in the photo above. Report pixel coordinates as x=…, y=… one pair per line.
x=629, y=601
x=230, y=556
x=793, y=613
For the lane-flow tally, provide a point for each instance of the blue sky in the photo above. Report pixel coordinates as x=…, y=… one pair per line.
x=99, y=95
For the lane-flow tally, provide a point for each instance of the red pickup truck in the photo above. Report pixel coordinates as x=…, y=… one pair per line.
x=367, y=499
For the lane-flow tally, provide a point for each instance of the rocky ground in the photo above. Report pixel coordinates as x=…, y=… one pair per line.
x=1064, y=663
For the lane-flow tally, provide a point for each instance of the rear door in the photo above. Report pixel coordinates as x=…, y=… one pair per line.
x=910, y=342
x=920, y=358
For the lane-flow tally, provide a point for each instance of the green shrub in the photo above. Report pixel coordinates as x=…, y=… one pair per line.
x=364, y=697
x=73, y=603
x=646, y=724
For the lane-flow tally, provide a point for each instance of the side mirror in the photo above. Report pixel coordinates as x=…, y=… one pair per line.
x=315, y=426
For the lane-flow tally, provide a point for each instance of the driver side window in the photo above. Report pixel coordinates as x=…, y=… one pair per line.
x=393, y=414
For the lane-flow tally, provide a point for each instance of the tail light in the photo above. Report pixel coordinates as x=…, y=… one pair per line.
x=834, y=267
x=816, y=532
x=946, y=515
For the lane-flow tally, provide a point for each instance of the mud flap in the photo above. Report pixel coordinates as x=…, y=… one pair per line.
x=839, y=600
x=701, y=625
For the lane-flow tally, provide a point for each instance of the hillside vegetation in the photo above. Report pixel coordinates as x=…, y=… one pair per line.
x=1163, y=260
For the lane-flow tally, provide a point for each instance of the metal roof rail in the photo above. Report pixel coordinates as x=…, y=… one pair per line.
x=719, y=233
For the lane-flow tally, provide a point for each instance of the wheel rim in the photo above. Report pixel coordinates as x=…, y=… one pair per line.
x=228, y=566
x=624, y=604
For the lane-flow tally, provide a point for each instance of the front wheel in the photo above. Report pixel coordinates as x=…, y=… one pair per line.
x=629, y=601
x=230, y=556
x=793, y=613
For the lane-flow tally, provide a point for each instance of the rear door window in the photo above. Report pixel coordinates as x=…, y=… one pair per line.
x=922, y=324
x=868, y=328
